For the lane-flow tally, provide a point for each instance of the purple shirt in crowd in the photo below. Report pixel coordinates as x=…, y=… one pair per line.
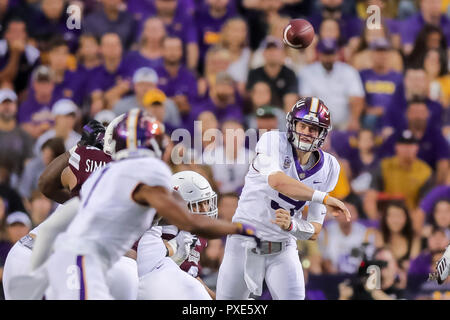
x=72, y=86
x=209, y=27
x=97, y=23
x=350, y=26
x=432, y=147
x=184, y=83
x=380, y=89
x=229, y=112
x=101, y=79
x=135, y=60
x=410, y=27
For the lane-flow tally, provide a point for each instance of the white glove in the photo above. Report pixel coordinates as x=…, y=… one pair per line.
x=185, y=241
x=443, y=266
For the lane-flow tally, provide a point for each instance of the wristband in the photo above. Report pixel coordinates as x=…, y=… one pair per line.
x=319, y=197
x=291, y=226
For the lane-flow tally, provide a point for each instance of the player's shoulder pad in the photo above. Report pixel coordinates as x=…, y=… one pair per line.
x=270, y=141
x=333, y=169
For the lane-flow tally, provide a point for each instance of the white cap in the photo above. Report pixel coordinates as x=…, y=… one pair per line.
x=145, y=75
x=18, y=217
x=7, y=94
x=64, y=107
x=105, y=116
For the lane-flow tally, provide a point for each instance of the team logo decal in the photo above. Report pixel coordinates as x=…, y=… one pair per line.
x=287, y=162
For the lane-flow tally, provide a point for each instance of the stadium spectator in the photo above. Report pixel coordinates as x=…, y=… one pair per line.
x=111, y=19
x=430, y=13
x=403, y=175
x=227, y=205
x=65, y=113
x=209, y=125
x=68, y=84
x=150, y=48
x=15, y=143
x=34, y=114
x=17, y=57
x=350, y=26
x=177, y=82
x=429, y=201
x=282, y=80
x=51, y=149
x=181, y=24
x=52, y=21
x=430, y=37
x=380, y=83
x=18, y=224
x=396, y=233
x=210, y=20
x=362, y=158
x=40, y=207
x=361, y=57
x=217, y=60
x=144, y=79
x=88, y=55
x=433, y=148
x=341, y=243
x=435, y=65
x=108, y=82
x=439, y=218
x=233, y=37
x=222, y=100
x=230, y=159
x=265, y=118
x=336, y=83
x=163, y=109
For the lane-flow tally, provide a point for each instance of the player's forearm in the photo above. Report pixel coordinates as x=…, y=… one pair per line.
x=50, y=180
x=211, y=229
x=290, y=187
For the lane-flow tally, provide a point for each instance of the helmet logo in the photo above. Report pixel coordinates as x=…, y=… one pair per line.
x=176, y=188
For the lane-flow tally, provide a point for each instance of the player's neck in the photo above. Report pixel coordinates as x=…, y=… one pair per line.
x=303, y=156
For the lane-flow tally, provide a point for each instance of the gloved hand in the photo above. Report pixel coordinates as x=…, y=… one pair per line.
x=92, y=135
x=249, y=231
x=185, y=241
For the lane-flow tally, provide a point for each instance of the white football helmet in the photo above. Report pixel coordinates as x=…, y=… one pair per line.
x=197, y=192
x=108, y=143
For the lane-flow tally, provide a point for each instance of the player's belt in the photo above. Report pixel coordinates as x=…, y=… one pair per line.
x=27, y=241
x=268, y=247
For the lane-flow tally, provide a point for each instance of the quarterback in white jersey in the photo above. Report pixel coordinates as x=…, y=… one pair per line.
x=270, y=201
x=118, y=204
x=164, y=278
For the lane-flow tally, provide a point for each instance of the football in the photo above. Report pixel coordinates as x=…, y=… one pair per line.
x=298, y=34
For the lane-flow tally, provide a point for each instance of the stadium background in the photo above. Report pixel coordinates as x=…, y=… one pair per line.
x=222, y=62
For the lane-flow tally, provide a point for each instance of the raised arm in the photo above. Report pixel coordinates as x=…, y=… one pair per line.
x=176, y=213
x=50, y=182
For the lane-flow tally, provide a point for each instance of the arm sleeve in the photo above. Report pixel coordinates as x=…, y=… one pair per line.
x=50, y=228
x=316, y=212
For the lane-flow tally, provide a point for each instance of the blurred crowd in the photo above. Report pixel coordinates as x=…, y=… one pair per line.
x=386, y=82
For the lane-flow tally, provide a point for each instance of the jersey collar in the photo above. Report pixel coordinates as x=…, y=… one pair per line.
x=303, y=174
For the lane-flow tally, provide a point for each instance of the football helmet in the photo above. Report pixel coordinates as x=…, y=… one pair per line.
x=93, y=135
x=313, y=111
x=138, y=134
x=108, y=144
x=195, y=189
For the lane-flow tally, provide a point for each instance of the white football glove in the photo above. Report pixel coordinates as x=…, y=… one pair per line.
x=185, y=241
x=442, y=267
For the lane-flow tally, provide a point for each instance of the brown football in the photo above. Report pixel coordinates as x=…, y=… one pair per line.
x=298, y=34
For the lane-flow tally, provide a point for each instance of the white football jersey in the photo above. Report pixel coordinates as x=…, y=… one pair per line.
x=108, y=221
x=258, y=201
x=151, y=250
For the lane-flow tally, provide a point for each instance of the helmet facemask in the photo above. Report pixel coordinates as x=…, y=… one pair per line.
x=195, y=207
x=295, y=137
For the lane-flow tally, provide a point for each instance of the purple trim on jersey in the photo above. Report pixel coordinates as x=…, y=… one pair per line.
x=82, y=278
x=309, y=172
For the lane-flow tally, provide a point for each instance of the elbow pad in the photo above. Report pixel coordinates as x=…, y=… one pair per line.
x=302, y=229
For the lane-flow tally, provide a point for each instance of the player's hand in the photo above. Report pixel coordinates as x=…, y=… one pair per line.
x=442, y=268
x=282, y=218
x=249, y=231
x=92, y=135
x=337, y=207
x=184, y=242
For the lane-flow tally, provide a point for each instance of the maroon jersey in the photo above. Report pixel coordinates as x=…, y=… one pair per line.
x=191, y=265
x=85, y=160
